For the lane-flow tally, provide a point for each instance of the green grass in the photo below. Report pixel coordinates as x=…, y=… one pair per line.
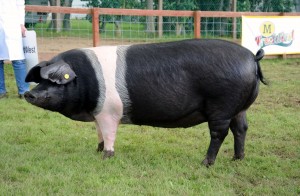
x=129, y=31
x=44, y=153
x=79, y=28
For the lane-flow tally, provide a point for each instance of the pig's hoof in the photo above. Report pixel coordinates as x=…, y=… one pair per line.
x=207, y=162
x=108, y=154
x=100, y=147
x=238, y=156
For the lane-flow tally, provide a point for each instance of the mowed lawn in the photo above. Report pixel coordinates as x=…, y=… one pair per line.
x=45, y=153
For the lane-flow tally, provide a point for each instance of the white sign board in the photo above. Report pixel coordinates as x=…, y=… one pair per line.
x=30, y=49
x=275, y=34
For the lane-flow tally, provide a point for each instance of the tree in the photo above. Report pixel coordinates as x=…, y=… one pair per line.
x=150, y=26
x=160, y=19
x=56, y=23
x=104, y=19
x=265, y=5
x=180, y=22
x=67, y=17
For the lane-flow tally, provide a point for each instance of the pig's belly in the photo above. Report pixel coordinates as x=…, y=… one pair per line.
x=187, y=120
x=83, y=116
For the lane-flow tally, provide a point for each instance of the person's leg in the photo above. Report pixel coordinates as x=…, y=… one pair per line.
x=2, y=79
x=20, y=75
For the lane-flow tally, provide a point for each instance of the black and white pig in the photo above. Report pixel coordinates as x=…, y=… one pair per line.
x=174, y=84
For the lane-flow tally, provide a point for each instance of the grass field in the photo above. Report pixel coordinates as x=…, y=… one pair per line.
x=44, y=153
x=128, y=31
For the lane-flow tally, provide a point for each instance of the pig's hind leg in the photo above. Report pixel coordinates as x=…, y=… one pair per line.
x=239, y=126
x=218, y=132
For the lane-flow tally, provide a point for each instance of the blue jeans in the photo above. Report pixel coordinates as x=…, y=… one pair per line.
x=20, y=74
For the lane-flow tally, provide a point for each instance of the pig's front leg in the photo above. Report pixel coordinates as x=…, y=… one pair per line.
x=107, y=124
x=100, y=147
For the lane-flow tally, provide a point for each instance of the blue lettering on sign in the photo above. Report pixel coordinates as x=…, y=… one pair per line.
x=28, y=49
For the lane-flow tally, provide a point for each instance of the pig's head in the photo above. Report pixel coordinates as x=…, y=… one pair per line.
x=52, y=79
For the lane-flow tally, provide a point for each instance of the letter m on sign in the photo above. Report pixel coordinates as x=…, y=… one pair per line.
x=267, y=29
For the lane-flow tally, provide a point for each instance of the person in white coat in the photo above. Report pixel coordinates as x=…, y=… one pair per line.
x=12, y=18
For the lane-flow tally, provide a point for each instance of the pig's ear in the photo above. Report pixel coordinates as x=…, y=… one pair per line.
x=34, y=73
x=59, y=72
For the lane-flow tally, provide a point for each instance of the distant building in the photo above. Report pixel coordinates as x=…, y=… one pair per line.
x=31, y=18
x=78, y=4
x=297, y=5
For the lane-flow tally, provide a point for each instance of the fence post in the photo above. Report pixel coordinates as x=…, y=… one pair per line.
x=95, y=23
x=197, y=24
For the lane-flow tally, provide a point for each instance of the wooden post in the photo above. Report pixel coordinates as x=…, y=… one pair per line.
x=197, y=24
x=95, y=23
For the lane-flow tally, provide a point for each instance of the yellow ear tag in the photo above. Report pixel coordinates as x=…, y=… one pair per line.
x=67, y=76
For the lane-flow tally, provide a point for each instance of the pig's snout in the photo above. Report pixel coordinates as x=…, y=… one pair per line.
x=44, y=99
x=36, y=98
x=33, y=97
x=29, y=96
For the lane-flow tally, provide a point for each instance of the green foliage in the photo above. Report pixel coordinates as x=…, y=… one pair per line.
x=280, y=6
x=205, y=5
x=217, y=25
x=44, y=153
x=265, y=6
x=114, y=4
x=243, y=6
x=209, y=5
x=110, y=4
x=179, y=5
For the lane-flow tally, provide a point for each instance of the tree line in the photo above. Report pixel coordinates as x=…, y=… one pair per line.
x=204, y=5
x=180, y=25
x=151, y=23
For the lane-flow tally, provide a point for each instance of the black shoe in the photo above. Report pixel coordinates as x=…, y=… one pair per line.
x=21, y=96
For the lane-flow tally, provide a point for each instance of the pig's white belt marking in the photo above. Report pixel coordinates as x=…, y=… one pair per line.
x=121, y=84
x=107, y=56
